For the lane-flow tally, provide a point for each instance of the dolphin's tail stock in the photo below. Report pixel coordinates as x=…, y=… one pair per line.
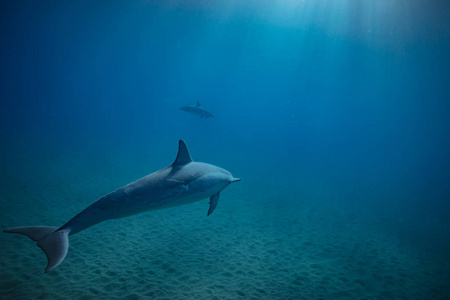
x=52, y=241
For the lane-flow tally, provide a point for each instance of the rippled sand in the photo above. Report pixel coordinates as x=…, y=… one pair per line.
x=256, y=245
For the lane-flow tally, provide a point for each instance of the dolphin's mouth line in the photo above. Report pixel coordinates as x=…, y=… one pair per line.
x=235, y=179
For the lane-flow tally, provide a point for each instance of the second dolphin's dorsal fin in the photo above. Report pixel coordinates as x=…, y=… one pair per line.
x=183, y=156
x=198, y=104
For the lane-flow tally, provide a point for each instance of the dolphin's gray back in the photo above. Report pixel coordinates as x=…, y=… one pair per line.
x=161, y=189
x=125, y=201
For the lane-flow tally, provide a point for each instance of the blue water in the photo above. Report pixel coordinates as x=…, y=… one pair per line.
x=335, y=114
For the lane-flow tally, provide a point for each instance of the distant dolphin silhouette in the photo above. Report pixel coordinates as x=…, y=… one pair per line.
x=198, y=110
x=183, y=182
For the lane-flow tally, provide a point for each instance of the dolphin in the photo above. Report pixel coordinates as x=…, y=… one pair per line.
x=198, y=110
x=183, y=182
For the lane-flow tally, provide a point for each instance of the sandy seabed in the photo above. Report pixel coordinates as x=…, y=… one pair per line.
x=257, y=244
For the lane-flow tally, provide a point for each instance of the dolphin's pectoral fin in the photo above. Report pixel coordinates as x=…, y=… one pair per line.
x=213, y=202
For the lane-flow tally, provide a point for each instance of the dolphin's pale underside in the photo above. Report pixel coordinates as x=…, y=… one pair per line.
x=183, y=182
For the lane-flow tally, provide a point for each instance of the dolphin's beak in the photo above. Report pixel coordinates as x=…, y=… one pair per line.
x=235, y=179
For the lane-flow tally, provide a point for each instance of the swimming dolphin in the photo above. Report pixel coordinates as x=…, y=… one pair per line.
x=198, y=110
x=182, y=182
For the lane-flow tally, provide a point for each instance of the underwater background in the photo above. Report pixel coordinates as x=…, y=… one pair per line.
x=335, y=115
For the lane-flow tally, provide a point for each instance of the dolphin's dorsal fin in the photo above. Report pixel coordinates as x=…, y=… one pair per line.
x=198, y=104
x=183, y=156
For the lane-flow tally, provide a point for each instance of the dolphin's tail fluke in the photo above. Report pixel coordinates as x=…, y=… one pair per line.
x=52, y=241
